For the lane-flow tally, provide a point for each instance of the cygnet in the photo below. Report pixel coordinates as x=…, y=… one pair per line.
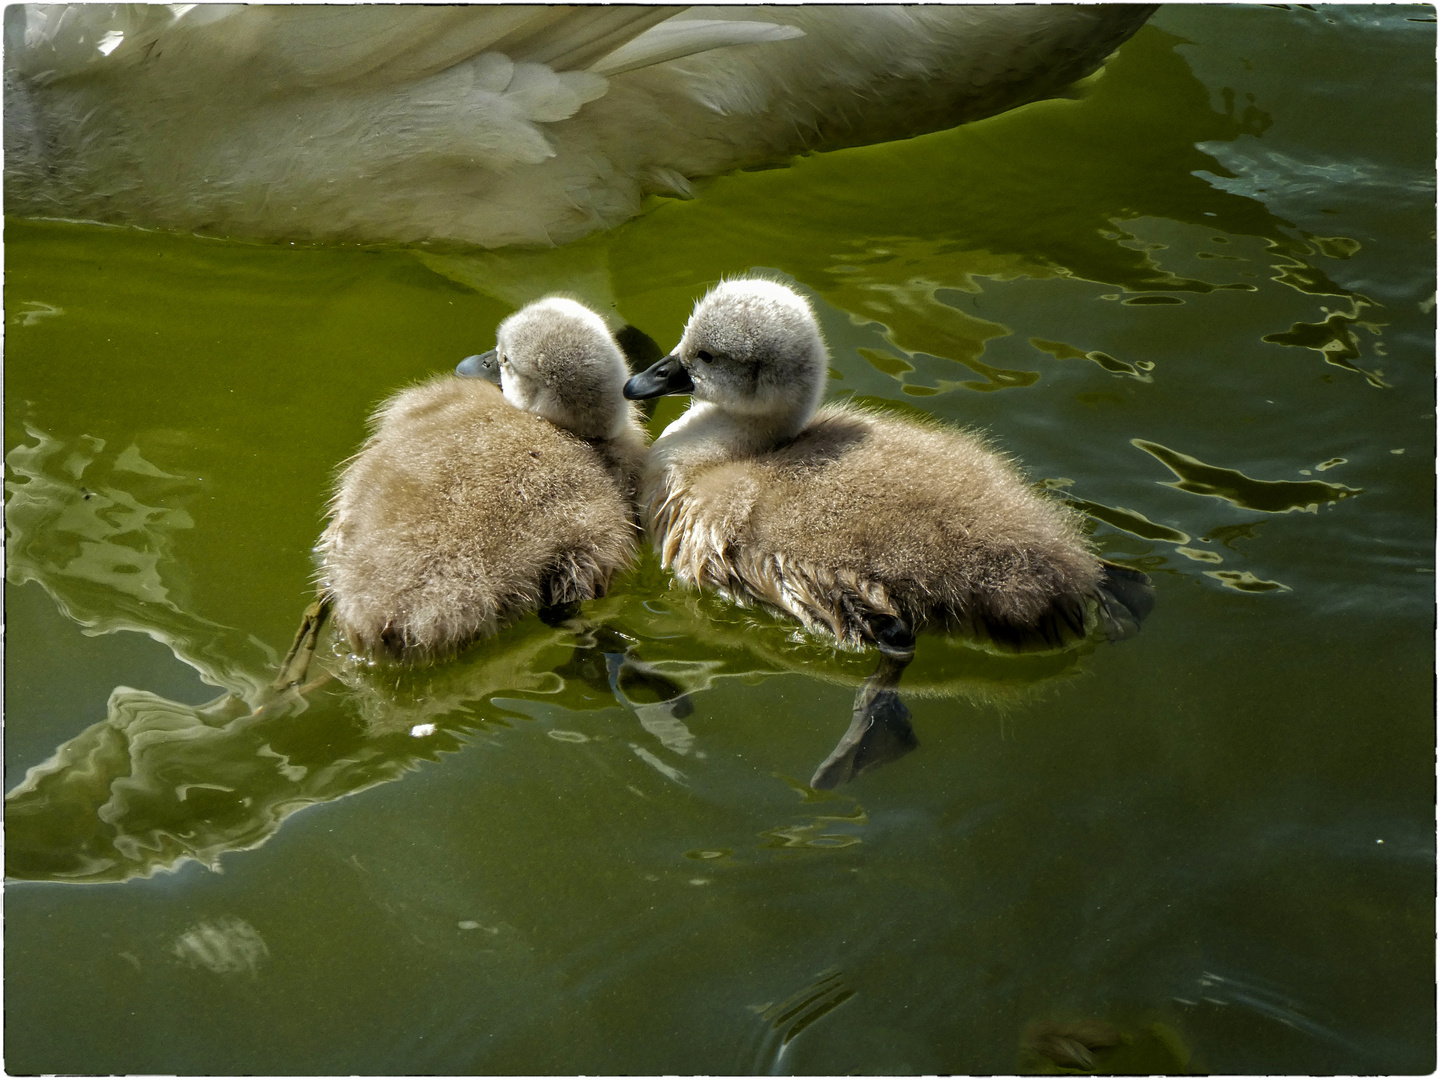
x=863, y=525
x=468, y=508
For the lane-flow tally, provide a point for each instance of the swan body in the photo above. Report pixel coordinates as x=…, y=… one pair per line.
x=862, y=525
x=486, y=124
x=470, y=506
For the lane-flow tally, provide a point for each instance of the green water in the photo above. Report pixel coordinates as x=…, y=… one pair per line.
x=1197, y=301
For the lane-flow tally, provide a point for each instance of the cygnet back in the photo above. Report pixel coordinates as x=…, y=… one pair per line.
x=468, y=508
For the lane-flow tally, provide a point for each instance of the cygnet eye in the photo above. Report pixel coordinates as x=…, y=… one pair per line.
x=703, y=355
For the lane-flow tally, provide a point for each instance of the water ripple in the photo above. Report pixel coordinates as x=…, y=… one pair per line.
x=1233, y=486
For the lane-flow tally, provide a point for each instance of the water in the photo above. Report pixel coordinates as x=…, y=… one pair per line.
x=1197, y=301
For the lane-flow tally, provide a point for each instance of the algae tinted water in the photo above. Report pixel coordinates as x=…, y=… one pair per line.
x=1196, y=301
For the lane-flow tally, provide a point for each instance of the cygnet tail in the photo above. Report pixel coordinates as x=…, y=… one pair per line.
x=1057, y=627
x=1126, y=598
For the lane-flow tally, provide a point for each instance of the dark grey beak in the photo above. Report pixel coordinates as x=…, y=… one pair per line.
x=667, y=377
x=484, y=365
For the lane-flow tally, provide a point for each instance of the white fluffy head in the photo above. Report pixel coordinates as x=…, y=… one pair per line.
x=558, y=360
x=753, y=348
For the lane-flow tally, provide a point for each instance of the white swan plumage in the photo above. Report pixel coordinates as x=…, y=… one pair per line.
x=484, y=125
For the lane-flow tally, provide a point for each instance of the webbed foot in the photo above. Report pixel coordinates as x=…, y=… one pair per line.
x=880, y=733
x=302, y=649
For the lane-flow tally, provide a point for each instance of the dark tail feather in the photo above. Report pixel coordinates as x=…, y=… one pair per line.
x=1059, y=625
x=1126, y=598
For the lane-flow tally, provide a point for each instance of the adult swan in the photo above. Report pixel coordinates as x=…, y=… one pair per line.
x=489, y=124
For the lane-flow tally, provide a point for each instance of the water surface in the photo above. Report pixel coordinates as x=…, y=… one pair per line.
x=1196, y=300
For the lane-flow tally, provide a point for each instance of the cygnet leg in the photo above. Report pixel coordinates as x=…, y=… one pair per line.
x=880, y=730
x=604, y=659
x=635, y=682
x=289, y=684
x=302, y=649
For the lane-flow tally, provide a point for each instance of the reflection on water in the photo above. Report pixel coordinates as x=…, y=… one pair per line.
x=1334, y=340
x=1131, y=521
x=1060, y=351
x=1213, y=989
x=1097, y=1046
x=818, y=832
x=1244, y=581
x=98, y=550
x=1270, y=496
x=797, y=1012
x=158, y=783
x=228, y=945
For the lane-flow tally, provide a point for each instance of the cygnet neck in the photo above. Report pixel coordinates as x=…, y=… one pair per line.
x=708, y=432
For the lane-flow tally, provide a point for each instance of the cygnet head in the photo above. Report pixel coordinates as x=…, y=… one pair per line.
x=753, y=349
x=558, y=360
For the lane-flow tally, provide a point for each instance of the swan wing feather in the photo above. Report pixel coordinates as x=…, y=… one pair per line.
x=303, y=46
x=678, y=38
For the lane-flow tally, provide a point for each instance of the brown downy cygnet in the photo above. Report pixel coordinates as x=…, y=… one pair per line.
x=468, y=508
x=863, y=525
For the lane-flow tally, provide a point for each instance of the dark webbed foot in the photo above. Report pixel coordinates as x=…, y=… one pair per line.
x=556, y=615
x=302, y=649
x=895, y=639
x=880, y=733
x=1126, y=598
x=880, y=730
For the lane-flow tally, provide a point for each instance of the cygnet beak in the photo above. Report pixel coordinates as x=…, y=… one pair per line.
x=666, y=377
x=484, y=365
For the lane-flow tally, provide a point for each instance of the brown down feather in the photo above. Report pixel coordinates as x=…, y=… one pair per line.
x=866, y=513
x=462, y=513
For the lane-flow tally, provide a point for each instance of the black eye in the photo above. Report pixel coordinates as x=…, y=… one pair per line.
x=703, y=355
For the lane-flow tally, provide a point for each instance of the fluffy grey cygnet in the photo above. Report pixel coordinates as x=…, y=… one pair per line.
x=467, y=509
x=847, y=518
x=863, y=525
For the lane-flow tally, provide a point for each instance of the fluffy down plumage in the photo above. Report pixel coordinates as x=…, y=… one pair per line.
x=848, y=519
x=826, y=529
x=463, y=511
